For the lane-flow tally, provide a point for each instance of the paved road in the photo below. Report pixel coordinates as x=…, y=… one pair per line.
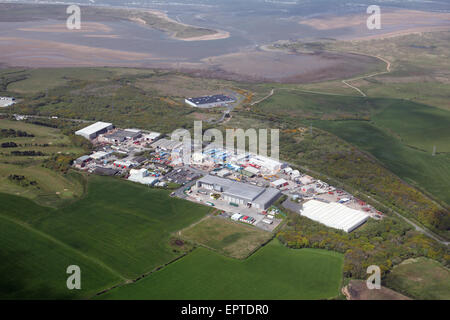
x=239, y=98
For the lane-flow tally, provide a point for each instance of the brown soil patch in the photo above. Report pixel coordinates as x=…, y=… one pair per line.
x=357, y=290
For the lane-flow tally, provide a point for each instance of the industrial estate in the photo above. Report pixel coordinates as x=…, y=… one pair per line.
x=244, y=186
x=224, y=150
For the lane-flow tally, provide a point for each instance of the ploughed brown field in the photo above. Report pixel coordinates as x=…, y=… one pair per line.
x=357, y=290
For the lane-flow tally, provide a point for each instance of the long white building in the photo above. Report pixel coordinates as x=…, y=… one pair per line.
x=92, y=131
x=334, y=215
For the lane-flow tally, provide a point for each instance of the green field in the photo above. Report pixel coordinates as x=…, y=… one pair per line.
x=40, y=80
x=273, y=272
x=399, y=133
x=34, y=265
x=421, y=279
x=53, y=188
x=419, y=168
x=230, y=238
x=301, y=105
x=417, y=125
x=118, y=229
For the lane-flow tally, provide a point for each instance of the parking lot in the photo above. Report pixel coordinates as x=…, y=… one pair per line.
x=182, y=175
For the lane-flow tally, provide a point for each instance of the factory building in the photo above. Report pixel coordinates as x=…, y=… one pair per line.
x=334, y=215
x=279, y=183
x=266, y=163
x=240, y=193
x=100, y=155
x=92, y=131
x=209, y=101
x=122, y=135
x=250, y=171
x=124, y=164
x=142, y=176
x=166, y=144
x=151, y=136
x=81, y=160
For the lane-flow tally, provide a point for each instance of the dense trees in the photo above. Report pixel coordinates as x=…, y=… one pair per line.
x=9, y=133
x=384, y=243
x=8, y=145
x=324, y=153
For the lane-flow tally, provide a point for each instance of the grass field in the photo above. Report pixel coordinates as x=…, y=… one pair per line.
x=421, y=279
x=401, y=134
x=40, y=80
x=417, y=125
x=303, y=105
x=230, y=238
x=34, y=264
x=273, y=272
x=52, y=188
x=118, y=226
x=419, y=168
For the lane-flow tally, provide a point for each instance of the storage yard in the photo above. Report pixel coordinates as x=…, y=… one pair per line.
x=244, y=186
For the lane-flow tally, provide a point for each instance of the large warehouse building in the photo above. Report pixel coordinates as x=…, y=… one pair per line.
x=240, y=193
x=92, y=131
x=334, y=215
x=209, y=101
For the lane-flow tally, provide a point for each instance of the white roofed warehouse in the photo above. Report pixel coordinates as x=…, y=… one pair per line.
x=92, y=131
x=334, y=215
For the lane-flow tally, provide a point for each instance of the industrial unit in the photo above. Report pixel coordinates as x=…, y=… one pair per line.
x=240, y=193
x=279, y=183
x=92, y=131
x=266, y=163
x=166, y=144
x=334, y=215
x=209, y=101
x=122, y=135
x=142, y=176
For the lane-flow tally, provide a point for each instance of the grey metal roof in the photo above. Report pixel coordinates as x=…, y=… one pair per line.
x=122, y=134
x=269, y=194
x=234, y=188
